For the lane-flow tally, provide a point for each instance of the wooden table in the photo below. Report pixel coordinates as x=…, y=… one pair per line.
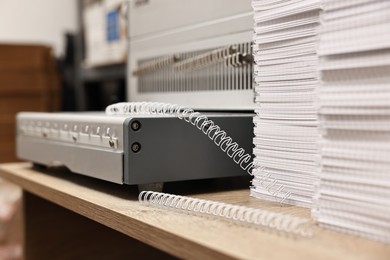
x=68, y=216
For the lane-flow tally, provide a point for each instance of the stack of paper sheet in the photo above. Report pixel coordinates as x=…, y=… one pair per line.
x=286, y=79
x=354, y=188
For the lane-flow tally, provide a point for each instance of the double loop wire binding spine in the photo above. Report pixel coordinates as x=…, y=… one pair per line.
x=207, y=126
x=251, y=216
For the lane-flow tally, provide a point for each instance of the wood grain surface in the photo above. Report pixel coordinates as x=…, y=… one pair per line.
x=187, y=236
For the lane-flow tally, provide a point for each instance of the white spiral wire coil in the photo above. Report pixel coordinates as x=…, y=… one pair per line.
x=244, y=215
x=207, y=126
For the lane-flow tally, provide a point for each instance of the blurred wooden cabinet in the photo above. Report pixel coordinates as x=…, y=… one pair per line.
x=29, y=81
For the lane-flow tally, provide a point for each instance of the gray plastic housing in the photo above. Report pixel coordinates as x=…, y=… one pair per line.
x=101, y=146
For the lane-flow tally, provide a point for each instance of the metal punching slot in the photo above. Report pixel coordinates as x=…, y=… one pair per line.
x=75, y=133
x=218, y=69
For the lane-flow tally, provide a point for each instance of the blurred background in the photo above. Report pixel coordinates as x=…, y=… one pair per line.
x=55, y=55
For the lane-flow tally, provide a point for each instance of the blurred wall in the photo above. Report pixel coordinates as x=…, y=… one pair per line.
x=38, y=21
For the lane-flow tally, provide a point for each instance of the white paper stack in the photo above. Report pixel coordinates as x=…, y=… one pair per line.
x=286, y=79
x=353, y=194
